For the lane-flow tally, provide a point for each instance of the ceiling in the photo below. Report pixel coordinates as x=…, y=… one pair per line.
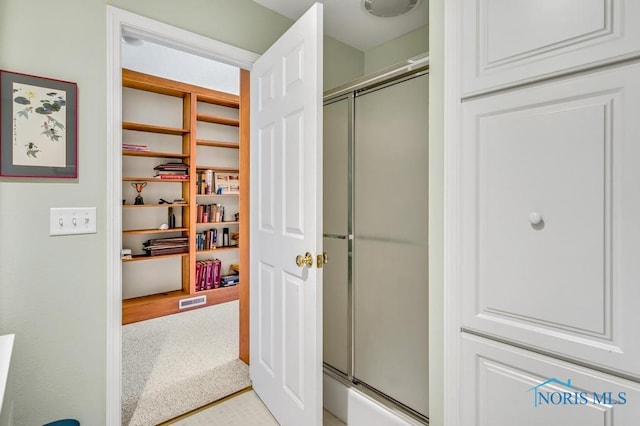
x=347, y=21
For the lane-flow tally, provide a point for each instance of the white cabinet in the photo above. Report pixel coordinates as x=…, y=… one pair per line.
x=506, y=386
x=550, y=217
x=505, y=42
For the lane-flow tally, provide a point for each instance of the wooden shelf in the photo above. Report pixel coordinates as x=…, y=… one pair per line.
x=142, y=206
x=218, y=223
x=219, y=144
x=219, y=169
x=154, y=154
x=218, y=120
x=229, y=248
x=214, y=290
x=153, y=231
x=219, y=98
x=140, y=127
x=155, y=305
x=216, y=195
x=140, y=257
x=152, y=179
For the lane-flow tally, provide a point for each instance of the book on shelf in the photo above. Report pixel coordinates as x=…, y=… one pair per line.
x=207, y=240
x=209, y=213
x=229, y=280
x=172, y=245
x=177, y=171
x=208, y=274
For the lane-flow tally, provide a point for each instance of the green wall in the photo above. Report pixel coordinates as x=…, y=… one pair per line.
x=399, y=49
x=53, y=289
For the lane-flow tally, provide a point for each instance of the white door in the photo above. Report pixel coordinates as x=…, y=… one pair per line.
x=286, y=221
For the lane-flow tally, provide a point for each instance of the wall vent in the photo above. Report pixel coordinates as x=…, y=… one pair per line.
x=192, y=301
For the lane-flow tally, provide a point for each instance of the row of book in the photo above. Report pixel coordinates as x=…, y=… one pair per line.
x=208, y=274
x=209, y=213
x=205, y=182
x=171, y=245
x=207, y=240
x=130, y=147
x=175, y=171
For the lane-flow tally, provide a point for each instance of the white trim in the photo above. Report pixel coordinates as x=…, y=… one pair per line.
x=452, y=217
x=118, y=22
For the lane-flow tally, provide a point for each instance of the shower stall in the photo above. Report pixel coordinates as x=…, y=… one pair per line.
x=375, y=234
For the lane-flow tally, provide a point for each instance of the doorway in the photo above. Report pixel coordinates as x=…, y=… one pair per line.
x=297, y=105
x=192, y=358
x=124, y=23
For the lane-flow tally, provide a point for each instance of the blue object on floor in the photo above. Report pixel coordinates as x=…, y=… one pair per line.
x=64, y=422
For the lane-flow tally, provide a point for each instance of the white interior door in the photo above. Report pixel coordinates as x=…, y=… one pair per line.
x=286, y=221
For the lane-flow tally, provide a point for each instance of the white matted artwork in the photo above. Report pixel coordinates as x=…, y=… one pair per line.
x=38, y=127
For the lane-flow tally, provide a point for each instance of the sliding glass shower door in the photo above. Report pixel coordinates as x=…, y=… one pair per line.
x=375, y=233
x=390, y=253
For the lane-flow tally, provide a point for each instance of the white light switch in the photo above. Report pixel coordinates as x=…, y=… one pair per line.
x=72, y=220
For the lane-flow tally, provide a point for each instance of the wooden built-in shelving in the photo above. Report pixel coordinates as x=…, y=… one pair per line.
x=193, y=98
x=155, y=305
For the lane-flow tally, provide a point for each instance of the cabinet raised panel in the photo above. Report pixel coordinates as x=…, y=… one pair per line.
x=505, y=386
x=548, y=239
x=506, y=42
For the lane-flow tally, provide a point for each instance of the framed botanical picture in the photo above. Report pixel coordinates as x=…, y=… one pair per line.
x=38, y=127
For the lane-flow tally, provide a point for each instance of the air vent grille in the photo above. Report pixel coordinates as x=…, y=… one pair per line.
x=192, y=301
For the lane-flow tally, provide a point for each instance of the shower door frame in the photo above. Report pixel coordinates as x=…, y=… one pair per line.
x=412, y=68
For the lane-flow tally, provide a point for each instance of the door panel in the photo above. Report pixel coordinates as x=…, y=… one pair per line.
x=390, y=241
x=506, y=42
x=336, y=304
x=286, y=203
x=501, y=387
x=336, y=163
x=336, y=195
x=548, y=238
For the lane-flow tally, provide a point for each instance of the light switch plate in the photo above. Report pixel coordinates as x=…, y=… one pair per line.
x=72, y=220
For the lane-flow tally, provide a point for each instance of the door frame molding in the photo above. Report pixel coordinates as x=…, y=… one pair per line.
x=452, y=213
x=121, y=22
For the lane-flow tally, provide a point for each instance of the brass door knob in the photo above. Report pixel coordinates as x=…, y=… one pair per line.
x=307, y=259
x=323, y=259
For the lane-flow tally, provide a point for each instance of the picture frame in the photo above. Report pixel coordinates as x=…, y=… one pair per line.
x=227, y=183
x=38, y=127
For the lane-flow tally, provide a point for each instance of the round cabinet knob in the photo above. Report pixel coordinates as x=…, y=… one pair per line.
x=535, y=218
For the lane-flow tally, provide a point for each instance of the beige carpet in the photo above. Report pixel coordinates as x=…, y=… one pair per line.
x=174, y=364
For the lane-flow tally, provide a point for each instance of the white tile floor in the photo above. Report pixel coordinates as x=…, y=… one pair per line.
x=245, y=409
